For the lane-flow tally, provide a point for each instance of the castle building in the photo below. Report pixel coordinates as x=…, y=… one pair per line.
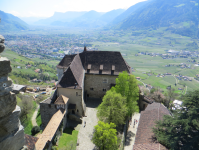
x=85, y=75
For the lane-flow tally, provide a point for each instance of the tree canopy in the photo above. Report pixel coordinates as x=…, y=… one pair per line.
x=113, y=108
x=127, y=86
x=181, y=130
x=105, y=136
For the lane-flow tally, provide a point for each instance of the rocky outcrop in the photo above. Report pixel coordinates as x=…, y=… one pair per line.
x=2, y=46
x=11, y=130
x=15, y=141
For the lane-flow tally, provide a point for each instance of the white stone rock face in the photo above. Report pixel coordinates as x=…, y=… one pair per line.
x=11, y=130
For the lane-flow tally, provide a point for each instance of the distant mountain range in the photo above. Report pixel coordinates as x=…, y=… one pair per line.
x=177, y=16
x=91, y=19
x=11, y=23
x=60, y=17
x=31, y=20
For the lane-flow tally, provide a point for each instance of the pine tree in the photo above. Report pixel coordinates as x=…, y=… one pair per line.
x=181, y=130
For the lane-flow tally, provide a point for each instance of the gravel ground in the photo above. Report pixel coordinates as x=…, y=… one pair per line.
x=86, y=130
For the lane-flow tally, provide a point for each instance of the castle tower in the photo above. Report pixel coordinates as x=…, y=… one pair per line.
x=11, y=130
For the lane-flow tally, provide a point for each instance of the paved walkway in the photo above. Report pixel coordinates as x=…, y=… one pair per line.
x=130, y=138
x=86, y=132
x=34, y=122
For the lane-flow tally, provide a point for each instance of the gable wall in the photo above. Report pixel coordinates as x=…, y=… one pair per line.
x=73, y=99
x=96, y=82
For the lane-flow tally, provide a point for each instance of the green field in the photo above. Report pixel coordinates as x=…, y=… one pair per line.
x=156, y=65
x=19, y=62
x=68, y=139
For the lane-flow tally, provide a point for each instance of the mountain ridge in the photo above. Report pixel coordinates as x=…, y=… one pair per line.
x=179, y=16
x=10, y=22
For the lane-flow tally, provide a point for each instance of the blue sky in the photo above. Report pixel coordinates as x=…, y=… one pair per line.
x=46, y=8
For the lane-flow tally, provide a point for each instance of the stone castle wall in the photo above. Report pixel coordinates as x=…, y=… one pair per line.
x=47, y=111
x=11, y=130
x=94, y=84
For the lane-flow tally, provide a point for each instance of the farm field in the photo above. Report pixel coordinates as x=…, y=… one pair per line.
x=21, y=75
x=143, y=64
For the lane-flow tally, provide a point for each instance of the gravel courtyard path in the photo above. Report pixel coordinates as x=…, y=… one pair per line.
x=85, y=133
x=130, y=138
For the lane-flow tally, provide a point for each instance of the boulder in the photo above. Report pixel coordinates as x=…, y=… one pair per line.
x=4, y=66
x=7, y=104
x=15, y=141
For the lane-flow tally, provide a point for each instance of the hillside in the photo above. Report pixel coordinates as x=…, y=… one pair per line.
x=11, y=23
x=179, y=16
x=128, y=12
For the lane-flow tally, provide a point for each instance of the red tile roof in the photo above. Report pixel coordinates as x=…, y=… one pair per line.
x=30, y=141
x=50, y=130
x=144, y=139
x=61, y=100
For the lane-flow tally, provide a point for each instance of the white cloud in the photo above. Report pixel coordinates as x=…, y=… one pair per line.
x=15, y=13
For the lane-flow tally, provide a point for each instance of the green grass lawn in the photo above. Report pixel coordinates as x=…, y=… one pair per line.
x=68, y=138
x=38, y=119
x=28, y=122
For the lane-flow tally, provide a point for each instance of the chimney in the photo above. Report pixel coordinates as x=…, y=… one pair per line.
x=85, y=49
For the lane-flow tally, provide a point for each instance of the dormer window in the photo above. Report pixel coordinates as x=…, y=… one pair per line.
x=112, y=69
x=101, y=67
x=88, y=68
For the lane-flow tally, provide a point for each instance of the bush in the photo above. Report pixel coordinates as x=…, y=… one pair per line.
x=35, y=130
x=54, y=141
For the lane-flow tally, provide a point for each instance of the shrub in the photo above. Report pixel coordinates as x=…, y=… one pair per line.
x=35, y=130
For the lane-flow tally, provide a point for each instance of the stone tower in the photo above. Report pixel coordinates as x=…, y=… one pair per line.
x=11, y=130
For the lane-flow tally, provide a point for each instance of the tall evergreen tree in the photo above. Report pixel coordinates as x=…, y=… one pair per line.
x=181, y=130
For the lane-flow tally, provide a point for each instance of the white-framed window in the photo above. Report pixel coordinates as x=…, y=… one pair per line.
x=105, y=80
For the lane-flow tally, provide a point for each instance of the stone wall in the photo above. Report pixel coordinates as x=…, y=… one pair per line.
x=11, y=130
x=47, y=111
x=94, y=84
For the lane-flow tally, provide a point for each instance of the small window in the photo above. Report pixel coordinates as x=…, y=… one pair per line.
x=77, y=110
x=91, y=89
x=104, y=90
x=76, y=93
x=105, y=80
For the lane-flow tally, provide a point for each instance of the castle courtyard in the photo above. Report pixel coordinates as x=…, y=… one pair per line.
x=86, y=130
